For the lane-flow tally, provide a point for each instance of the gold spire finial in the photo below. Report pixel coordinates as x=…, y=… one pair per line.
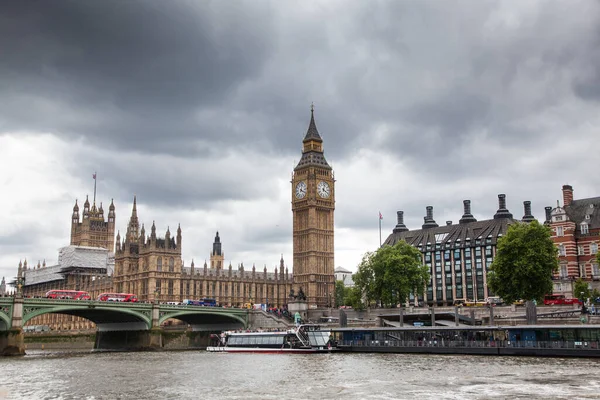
x=312, y=106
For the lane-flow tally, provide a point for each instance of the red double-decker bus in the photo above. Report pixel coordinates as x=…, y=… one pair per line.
x=125, y=297
x=68, y=294
x=557, y=299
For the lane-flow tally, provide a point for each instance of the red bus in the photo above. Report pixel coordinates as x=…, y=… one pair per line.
x=125, y=297
x=555, y=299
x=68, y=294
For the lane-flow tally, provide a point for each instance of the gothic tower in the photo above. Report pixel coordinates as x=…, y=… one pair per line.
x=313, y=205
x=92, y=230
x=217, y=256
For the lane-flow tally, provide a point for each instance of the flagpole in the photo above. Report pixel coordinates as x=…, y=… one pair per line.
x=94, y=187
x=379, y=229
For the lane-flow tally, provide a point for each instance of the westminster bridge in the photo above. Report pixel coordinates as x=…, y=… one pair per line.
x=119, y=325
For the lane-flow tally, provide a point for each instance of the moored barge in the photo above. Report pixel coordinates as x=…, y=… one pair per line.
x=521, y=340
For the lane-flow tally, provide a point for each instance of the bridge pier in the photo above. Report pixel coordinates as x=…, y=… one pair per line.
x=12, y=342
x=129, y=340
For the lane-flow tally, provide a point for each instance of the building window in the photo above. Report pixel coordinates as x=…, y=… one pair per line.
x=595, y=270
x=561, y=250
x=584, y=228
x=594, y=248
x=170, y=287
x=563, y=270
x=582, y=270
x=559, y=231
x=580, y=251
x=171, y=264
x=159, y=264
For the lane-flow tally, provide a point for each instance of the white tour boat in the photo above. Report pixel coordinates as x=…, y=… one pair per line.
x=300, y=339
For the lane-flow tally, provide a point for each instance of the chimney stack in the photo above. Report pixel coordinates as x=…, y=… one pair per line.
x=548, y=210
x=467, y=216
x=567, y=195
x=400, y=227
x=527, y=217
x=502, y=211
x=429, y=221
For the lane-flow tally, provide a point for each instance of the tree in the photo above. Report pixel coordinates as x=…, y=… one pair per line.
x=391, y=274
x=354, y=298
x=581, y=290
x=525, y=260
x=364, y=278
x=340, y=293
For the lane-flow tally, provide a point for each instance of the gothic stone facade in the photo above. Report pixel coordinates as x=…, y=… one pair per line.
x=92, y=230
x=152, y=268
x=313, y=205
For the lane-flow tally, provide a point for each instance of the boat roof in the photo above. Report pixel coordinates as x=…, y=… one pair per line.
x=260, y=333
x=465, y=328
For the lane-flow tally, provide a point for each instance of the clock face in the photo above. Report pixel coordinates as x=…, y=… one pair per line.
x=301, y=190
x=323, y=189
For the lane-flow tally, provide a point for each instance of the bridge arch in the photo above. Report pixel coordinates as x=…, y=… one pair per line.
x=5, y=322
x=98, y=314
x=207, y=317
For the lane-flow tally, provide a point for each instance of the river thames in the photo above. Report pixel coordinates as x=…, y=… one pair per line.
x=202, y=375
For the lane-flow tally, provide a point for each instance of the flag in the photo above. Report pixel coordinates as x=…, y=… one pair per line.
x=380, y=216
x=94, y=176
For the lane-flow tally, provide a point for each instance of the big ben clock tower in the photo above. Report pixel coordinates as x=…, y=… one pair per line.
x=313, y=204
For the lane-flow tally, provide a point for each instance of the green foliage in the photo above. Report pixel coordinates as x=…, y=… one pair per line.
x=354, y=298
x=340, y=293
x=525, y=260
x=580, y=287
x=389, y=275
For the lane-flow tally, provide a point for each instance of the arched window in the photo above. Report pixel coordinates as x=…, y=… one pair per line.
x=171, y=264
x=159, y=264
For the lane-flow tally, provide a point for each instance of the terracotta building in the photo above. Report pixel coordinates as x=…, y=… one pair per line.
x=576, y=232
x=458, y=255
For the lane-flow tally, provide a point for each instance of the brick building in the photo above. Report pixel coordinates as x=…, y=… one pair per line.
x=576, y=232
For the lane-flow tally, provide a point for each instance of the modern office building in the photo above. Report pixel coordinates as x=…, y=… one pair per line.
x=458, y=255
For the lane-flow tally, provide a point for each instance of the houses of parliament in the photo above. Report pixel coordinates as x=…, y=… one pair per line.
x=151, y=266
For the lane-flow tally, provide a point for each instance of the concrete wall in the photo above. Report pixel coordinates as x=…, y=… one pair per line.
x=260, y=319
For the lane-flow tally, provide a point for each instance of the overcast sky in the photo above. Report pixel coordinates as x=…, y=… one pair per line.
x=199, y=108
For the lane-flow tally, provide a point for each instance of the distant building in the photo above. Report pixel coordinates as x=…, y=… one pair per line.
x=92, y=230
x=345, y=276
x=458, y=255
x=3, y=287
x=576, y=232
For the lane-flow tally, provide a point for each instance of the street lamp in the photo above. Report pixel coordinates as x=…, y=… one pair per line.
x=20, y=282
x=156, y=294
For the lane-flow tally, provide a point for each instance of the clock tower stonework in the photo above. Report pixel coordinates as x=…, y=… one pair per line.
x=313, y=205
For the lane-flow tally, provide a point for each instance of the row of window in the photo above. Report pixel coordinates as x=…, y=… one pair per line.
x=441, y=236
x=584, y=229
x=562, y=250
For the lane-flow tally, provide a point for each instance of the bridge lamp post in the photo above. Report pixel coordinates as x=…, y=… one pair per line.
x=20, y=282
x=156, y=294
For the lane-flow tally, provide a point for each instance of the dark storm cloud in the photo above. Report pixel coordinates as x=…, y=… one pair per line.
x=126, y=73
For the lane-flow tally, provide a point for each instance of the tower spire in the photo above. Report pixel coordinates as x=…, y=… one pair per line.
x=312, y=133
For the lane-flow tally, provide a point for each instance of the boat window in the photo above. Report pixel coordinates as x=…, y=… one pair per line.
x=318, y=338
